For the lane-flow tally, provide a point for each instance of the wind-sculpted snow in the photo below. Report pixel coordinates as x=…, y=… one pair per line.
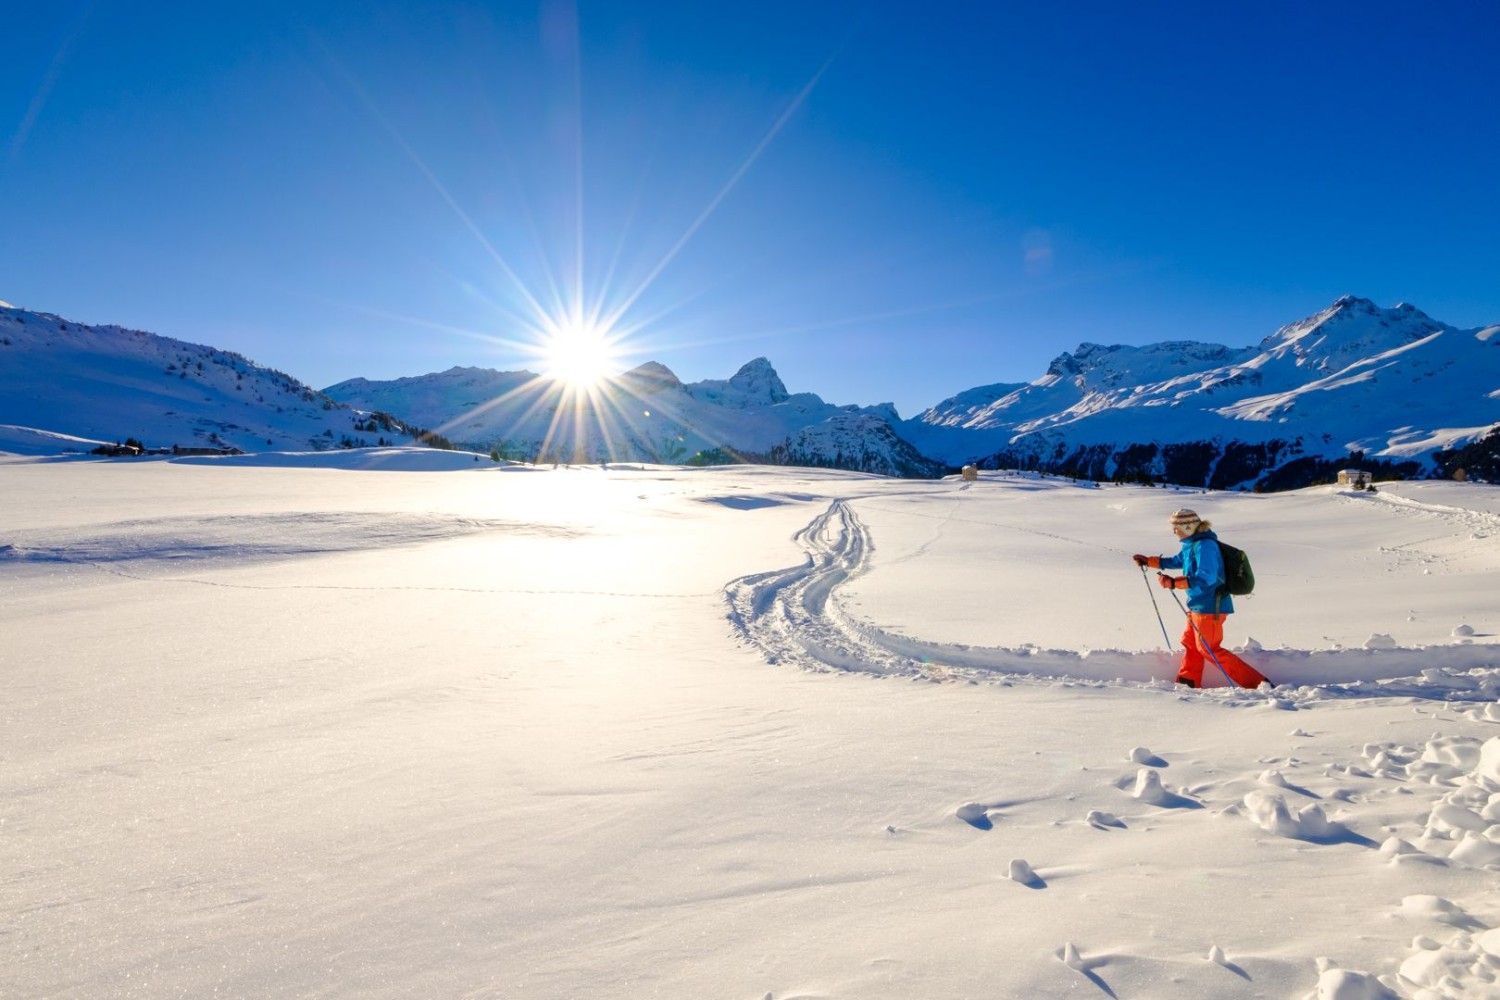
x=794, y=615
x=246, y=537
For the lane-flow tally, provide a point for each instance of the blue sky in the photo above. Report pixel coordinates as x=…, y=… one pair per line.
x=891, y=201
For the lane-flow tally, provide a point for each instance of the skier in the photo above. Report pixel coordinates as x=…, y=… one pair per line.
x=1202, y=567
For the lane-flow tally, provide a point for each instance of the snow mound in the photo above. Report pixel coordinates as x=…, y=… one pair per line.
x=1344, y=984
x=1103, y=820
x=1069, y=955
x=1269, y=811
x=1148, y=788
x=1022, y=872
x=1487, y=771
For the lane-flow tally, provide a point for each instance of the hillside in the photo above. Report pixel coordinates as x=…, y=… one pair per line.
x=68, y=386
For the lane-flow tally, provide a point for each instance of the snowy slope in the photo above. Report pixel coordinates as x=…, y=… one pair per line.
x=311, y=732
x=105, y=383
x=1392, y=383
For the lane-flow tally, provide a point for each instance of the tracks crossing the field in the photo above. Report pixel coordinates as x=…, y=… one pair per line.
x=794, y=616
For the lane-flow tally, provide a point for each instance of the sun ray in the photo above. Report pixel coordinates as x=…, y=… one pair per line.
x=49, y=82
x=416, y=159
x=556, y=295
x=723, y=193
x=578, y=154
x=540, y=388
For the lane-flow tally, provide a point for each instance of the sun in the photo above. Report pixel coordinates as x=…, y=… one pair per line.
x=579, y=354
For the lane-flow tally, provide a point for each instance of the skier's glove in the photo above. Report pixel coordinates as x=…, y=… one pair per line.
x=1171, y=582
x=1153, y=561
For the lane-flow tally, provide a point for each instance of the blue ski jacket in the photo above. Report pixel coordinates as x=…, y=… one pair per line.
x=1203, y=565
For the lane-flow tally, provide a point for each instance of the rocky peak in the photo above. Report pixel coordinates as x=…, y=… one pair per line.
x=1064, y=365
x=651, y=377
x=1093, y=352
x=1351, y=310
x=1352, y=304
x=757, y=378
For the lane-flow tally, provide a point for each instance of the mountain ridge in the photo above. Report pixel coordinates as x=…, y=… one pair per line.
x=1392, y=387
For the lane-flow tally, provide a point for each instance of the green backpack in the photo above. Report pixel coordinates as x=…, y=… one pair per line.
x=1239, y=578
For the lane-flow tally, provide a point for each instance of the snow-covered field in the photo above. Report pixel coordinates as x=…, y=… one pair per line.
x=274, y=728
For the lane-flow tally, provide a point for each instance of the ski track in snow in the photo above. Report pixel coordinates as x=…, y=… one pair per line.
x=1454, y=522
x=1477, y=520
x=794, y=615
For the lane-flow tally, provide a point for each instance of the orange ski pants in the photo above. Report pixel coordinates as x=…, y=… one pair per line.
x=1204, y=639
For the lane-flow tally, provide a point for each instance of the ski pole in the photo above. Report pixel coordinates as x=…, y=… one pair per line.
x=1146, y=580
x=1203, y=643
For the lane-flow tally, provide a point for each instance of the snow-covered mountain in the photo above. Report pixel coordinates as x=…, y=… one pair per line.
x=647, y=413
x=1392, y=384
x=67, y=386
x=863, y=441
x=1389, y=388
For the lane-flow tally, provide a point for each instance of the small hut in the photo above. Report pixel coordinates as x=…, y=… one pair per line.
x=1355, y=479
x=969, y=473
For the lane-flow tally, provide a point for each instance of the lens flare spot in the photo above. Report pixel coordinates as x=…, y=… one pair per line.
x=579, y=354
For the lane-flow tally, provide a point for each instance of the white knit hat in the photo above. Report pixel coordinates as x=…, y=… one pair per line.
x=1184, y=518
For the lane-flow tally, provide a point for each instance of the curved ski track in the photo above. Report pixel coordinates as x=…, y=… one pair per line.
x=794, y=616
x=790, y=614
